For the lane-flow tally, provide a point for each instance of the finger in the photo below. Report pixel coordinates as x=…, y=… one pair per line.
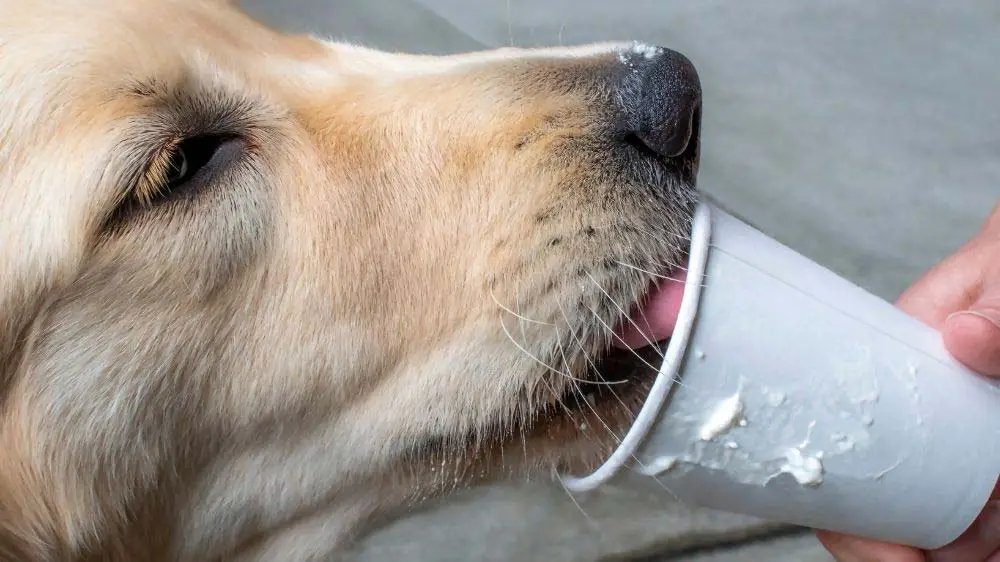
x=846, y=548
x=979, y=542
x=972, y=334
x=951, y=285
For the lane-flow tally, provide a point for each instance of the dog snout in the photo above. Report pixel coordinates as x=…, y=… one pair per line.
x=660, y=96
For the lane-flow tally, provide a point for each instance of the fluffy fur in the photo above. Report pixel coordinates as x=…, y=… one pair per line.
x=382, y=284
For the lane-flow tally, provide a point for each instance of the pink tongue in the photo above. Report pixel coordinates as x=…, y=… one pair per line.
x=654, y=321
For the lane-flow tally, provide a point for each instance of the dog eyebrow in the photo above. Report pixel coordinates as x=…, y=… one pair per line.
x=148, y=89
x=142, y=89
x=191, y=105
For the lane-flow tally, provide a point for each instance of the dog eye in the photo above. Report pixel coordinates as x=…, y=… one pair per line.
x=189, y=157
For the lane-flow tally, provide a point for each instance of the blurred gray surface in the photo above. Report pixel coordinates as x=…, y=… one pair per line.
x=863, y=134
x=537, y=522
x=798, y=549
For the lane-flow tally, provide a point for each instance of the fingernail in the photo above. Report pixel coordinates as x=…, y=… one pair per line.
x=990, y=316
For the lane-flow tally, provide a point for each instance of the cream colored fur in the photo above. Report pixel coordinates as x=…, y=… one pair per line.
x=322, y=331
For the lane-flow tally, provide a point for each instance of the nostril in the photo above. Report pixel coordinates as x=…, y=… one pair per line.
x=636, y=141
x=668, y=140
x=669, y=143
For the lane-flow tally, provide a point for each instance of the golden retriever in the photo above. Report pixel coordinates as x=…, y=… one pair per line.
x=258, y=289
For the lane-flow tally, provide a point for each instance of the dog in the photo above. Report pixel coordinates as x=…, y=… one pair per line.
x=259, y=290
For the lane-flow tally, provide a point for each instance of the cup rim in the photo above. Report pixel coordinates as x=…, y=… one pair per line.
x=701, y=235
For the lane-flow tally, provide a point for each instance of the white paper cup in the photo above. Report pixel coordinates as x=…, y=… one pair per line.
x=790, y=394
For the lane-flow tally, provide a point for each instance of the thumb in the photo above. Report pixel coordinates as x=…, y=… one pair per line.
x=973, y=335
x=948, y=287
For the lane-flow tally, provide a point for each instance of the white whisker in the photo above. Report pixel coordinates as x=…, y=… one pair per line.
x=573, y=382
x=577, y=340
x=626, y=315
x=573, y=499
x=586, y=356
x=516, y=314
x=613, y=393
x=528, y=353
x=617, y=337
x=581, y=396
x=656, y=275
x=577, y=391
x=634, y=352
x=548, y=367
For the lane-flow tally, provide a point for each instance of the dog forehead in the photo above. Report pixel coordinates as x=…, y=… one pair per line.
x=101, y=29
x=81, y=53
x=84, y=52
x=109, y=10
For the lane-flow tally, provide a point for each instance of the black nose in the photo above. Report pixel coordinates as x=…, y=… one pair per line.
x=660, y=96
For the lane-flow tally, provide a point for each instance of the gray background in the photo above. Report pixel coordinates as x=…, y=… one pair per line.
x=864, y=134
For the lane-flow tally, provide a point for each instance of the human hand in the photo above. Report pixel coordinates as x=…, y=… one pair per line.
x=961, y=298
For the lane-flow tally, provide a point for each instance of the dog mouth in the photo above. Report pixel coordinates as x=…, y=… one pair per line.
x=610, y=387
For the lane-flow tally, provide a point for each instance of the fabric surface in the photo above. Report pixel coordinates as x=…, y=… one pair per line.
x=864, y=134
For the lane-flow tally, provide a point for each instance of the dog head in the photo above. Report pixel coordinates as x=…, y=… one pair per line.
x=249, y=278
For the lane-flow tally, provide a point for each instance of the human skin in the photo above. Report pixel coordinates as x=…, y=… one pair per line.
x=960, y=297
